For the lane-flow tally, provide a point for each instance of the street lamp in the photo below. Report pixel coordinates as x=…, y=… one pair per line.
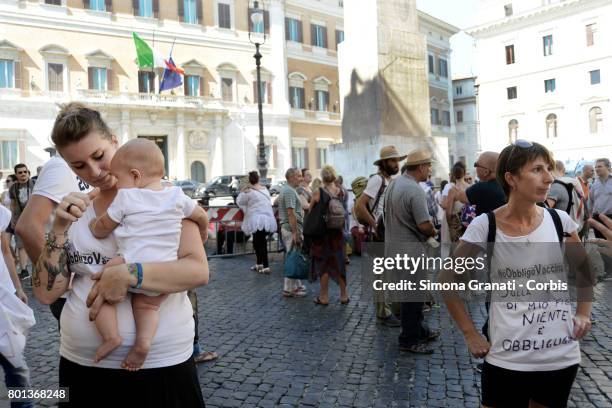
x=257, y=36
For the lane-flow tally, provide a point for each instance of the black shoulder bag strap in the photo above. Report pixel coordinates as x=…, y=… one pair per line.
x=490, y=243
x=378, y=195
x=558, y=224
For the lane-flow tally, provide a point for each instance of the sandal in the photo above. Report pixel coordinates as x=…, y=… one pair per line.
x=287, y=293
x=346, y=301
x=417, y=349
x=318, y=302
x=205, y=357
x=264, y=271
x=433, y=334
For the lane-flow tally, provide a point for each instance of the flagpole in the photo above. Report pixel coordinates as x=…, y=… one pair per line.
x=164, y=73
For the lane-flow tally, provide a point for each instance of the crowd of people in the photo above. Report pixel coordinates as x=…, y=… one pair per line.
x=102, y=229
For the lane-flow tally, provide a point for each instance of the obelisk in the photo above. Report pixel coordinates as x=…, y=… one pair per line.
x=383, y=84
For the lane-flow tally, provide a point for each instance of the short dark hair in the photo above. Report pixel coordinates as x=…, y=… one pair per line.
x=304, y=170
x=12, y=177
x=18, y=166
x=443, y=184
x=513, y=158
x=74, y=122
x=253, y=177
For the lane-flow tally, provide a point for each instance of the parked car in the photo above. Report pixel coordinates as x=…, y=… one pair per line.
x=188, y=186
x=276, y=188
x=218, y=186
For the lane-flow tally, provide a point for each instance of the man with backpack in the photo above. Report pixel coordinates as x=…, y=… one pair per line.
x=566, y=194
x=369, y=212
x=20, y=193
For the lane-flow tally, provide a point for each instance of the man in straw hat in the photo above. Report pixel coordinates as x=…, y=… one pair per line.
x=407, y=221
x=369, y=210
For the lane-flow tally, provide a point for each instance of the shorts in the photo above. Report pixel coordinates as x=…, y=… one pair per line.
x=165, y=387
x=503, y=388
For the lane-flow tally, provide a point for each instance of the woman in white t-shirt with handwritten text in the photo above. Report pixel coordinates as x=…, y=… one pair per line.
x=525, y=365
x=168, y=378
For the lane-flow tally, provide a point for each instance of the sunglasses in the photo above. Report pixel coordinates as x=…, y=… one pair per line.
x=476, y=165
x=22, y=172
x=520, y=143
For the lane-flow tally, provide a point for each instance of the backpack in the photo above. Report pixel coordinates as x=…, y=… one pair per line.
x=576, y=205
x=491, y=240
x=334, y=216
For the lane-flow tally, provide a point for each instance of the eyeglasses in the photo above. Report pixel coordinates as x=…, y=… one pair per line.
x=476, y=165
x=22, y=172
x=521, y=143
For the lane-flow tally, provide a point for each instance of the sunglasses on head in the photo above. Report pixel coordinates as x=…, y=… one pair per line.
x=520, y=143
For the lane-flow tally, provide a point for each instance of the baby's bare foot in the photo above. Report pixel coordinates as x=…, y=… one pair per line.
x=106, y=347
x=137, y=356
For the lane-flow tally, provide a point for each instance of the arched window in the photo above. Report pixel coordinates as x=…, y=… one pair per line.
x=551, y=125
x=198, y=171
x=513, y=130
x=595, y=119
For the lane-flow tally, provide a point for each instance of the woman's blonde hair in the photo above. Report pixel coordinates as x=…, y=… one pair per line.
x=316, y=183
x=328, y=174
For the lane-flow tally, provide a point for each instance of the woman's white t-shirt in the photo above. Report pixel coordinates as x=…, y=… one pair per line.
x=517, y=341
x=173, y=341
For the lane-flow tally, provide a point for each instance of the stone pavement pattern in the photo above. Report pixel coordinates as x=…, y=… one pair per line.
x=292, y=353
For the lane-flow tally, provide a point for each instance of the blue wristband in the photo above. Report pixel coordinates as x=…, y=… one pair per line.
x=139, y=271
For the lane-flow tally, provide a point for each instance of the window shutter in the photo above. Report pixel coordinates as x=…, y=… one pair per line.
x=136, y=7
x=109, y=79
x=90, y=82
x=199, y=11
x=86, y=4
x=313, y=34
x=156, y=8
x=269, y=91
x=324, y=37
x=181, y=10
x=201, y=79
x=302, y=99
x=249, y=22
x=109, y=5
x=267, y=21
x=17, y=74
x=300, y=31
x=306, y=164
x=287, y=36
x=186, y=85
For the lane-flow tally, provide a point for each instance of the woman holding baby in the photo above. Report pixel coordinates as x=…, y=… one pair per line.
x=167, y=377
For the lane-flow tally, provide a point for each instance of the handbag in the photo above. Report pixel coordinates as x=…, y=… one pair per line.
x=297, y=265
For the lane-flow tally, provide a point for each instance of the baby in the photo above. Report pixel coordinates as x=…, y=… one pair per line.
x=146, y=218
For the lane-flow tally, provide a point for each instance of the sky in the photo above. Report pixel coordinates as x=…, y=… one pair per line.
x=459, y=13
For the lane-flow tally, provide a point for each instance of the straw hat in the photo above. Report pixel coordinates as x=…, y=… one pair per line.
x=419, y=156
x=389, y=152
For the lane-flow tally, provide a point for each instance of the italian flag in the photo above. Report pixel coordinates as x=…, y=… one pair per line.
x=147, y=56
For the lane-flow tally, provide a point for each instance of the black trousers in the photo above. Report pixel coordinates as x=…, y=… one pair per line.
x=260, y=244
x=56, y=310
x=166, y=387
x=230, y=237
x=414, y=329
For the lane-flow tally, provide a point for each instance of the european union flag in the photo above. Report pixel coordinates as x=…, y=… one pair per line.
x=172, y=76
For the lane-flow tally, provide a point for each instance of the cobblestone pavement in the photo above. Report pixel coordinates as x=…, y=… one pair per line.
x=290, y=352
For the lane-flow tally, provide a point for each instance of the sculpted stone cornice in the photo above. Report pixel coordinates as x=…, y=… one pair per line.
x=533, y=17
